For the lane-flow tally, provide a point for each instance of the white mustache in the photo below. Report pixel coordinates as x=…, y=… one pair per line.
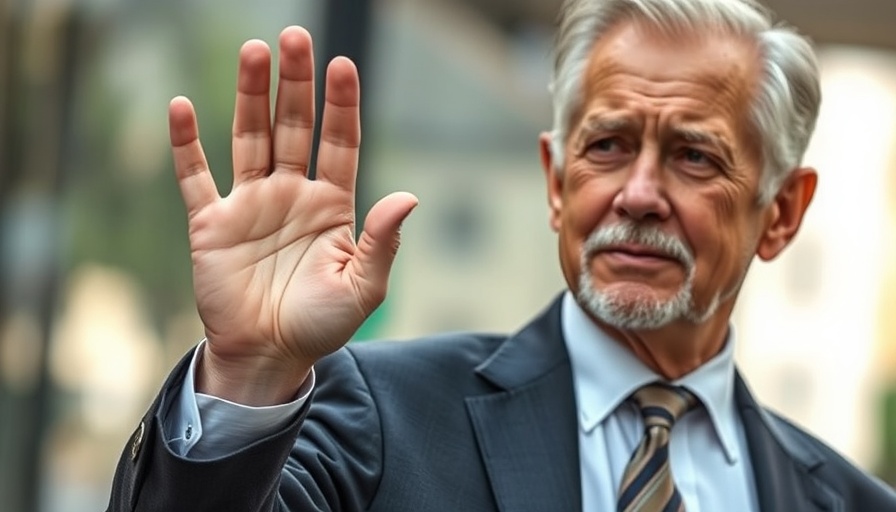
x=649, y=236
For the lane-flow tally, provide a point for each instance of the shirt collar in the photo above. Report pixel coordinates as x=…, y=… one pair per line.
x=606, y=373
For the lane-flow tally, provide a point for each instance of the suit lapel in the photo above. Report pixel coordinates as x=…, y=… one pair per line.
x=527, y=431
x=782, y=464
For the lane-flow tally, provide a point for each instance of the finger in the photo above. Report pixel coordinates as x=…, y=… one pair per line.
x=378, y=245
x=252, y=114
x=197, y=186
x=294, y=113
x=340, y=137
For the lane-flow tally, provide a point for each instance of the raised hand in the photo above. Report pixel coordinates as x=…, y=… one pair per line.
x=278, y=276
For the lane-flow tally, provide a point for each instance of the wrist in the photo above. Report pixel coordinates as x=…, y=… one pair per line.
x=252, y=381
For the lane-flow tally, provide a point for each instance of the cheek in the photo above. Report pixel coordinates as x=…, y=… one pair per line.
x=720, y=229
x=570, y=256
x=719, y=210
x=586, y=204
x=726, y=203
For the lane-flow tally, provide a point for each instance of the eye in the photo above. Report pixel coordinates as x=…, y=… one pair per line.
x=606, y=149
x=695, y=156
x=605, y=145
x=697, y=162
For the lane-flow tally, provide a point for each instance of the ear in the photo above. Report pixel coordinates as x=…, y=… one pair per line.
x=554, y=180
x=786, y=212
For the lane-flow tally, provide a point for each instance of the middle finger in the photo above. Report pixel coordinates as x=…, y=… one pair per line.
x=252, y=114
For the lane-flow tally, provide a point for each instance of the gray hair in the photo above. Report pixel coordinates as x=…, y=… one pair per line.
x=786, y=105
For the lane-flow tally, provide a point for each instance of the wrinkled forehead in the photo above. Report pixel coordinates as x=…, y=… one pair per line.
x=699, y=86
x=704, y=44
x=718, y=64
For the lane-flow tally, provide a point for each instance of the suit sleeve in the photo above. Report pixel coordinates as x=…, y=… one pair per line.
x=328, y=458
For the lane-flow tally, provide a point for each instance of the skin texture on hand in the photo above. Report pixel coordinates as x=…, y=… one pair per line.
x=278, y=276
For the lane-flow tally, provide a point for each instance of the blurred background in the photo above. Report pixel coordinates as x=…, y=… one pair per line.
x=95, y=293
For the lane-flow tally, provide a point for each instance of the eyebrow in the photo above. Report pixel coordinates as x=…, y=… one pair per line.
x=604, y=123
x=697, y=136
x=600, y=123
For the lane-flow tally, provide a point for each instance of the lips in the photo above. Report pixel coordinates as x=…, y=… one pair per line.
x=636, y=252
x=637, y=258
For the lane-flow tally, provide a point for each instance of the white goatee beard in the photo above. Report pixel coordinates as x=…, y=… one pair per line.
x=641, y=311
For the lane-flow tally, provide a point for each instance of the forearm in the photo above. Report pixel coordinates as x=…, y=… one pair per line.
x=335, y=460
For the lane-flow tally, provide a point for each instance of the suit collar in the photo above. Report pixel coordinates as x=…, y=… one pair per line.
x=527, y=430
x=530, y=354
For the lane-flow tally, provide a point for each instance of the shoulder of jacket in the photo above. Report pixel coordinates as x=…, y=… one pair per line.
x=445, y=347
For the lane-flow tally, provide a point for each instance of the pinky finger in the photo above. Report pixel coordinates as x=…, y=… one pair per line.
x=197, y=186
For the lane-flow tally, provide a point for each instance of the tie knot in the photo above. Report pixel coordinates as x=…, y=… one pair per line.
x=662, y=404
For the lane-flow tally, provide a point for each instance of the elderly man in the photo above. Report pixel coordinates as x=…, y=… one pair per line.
x=674, y=159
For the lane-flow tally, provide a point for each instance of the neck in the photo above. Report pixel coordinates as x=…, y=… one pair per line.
x=679, y=348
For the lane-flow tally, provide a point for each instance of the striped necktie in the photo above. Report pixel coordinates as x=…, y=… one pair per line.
x=647, y=484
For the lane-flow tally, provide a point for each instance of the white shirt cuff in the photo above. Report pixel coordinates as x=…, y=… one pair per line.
x=206, y=427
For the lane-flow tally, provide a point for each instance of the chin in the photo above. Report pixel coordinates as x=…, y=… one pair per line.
x=634, y=307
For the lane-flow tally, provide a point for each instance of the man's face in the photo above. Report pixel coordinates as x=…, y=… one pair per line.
x=656, y=207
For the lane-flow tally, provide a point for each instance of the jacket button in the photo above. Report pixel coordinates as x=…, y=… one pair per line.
x=138, y=440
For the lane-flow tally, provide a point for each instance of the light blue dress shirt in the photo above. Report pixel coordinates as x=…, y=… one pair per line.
x=708, y=448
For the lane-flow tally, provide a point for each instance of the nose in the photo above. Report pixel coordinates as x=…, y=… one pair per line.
x=643, y=195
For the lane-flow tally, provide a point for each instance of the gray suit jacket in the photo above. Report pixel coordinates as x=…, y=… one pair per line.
x=459, y=422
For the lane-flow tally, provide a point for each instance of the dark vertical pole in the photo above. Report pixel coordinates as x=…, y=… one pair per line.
x=10, y=169
x=347, y=27
x=58, y=120
x=36, y=129
x=7, y=36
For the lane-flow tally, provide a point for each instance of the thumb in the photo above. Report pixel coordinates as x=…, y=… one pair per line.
x=378, y=244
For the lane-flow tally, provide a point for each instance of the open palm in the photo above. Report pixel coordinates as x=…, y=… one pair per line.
x=278, y=276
